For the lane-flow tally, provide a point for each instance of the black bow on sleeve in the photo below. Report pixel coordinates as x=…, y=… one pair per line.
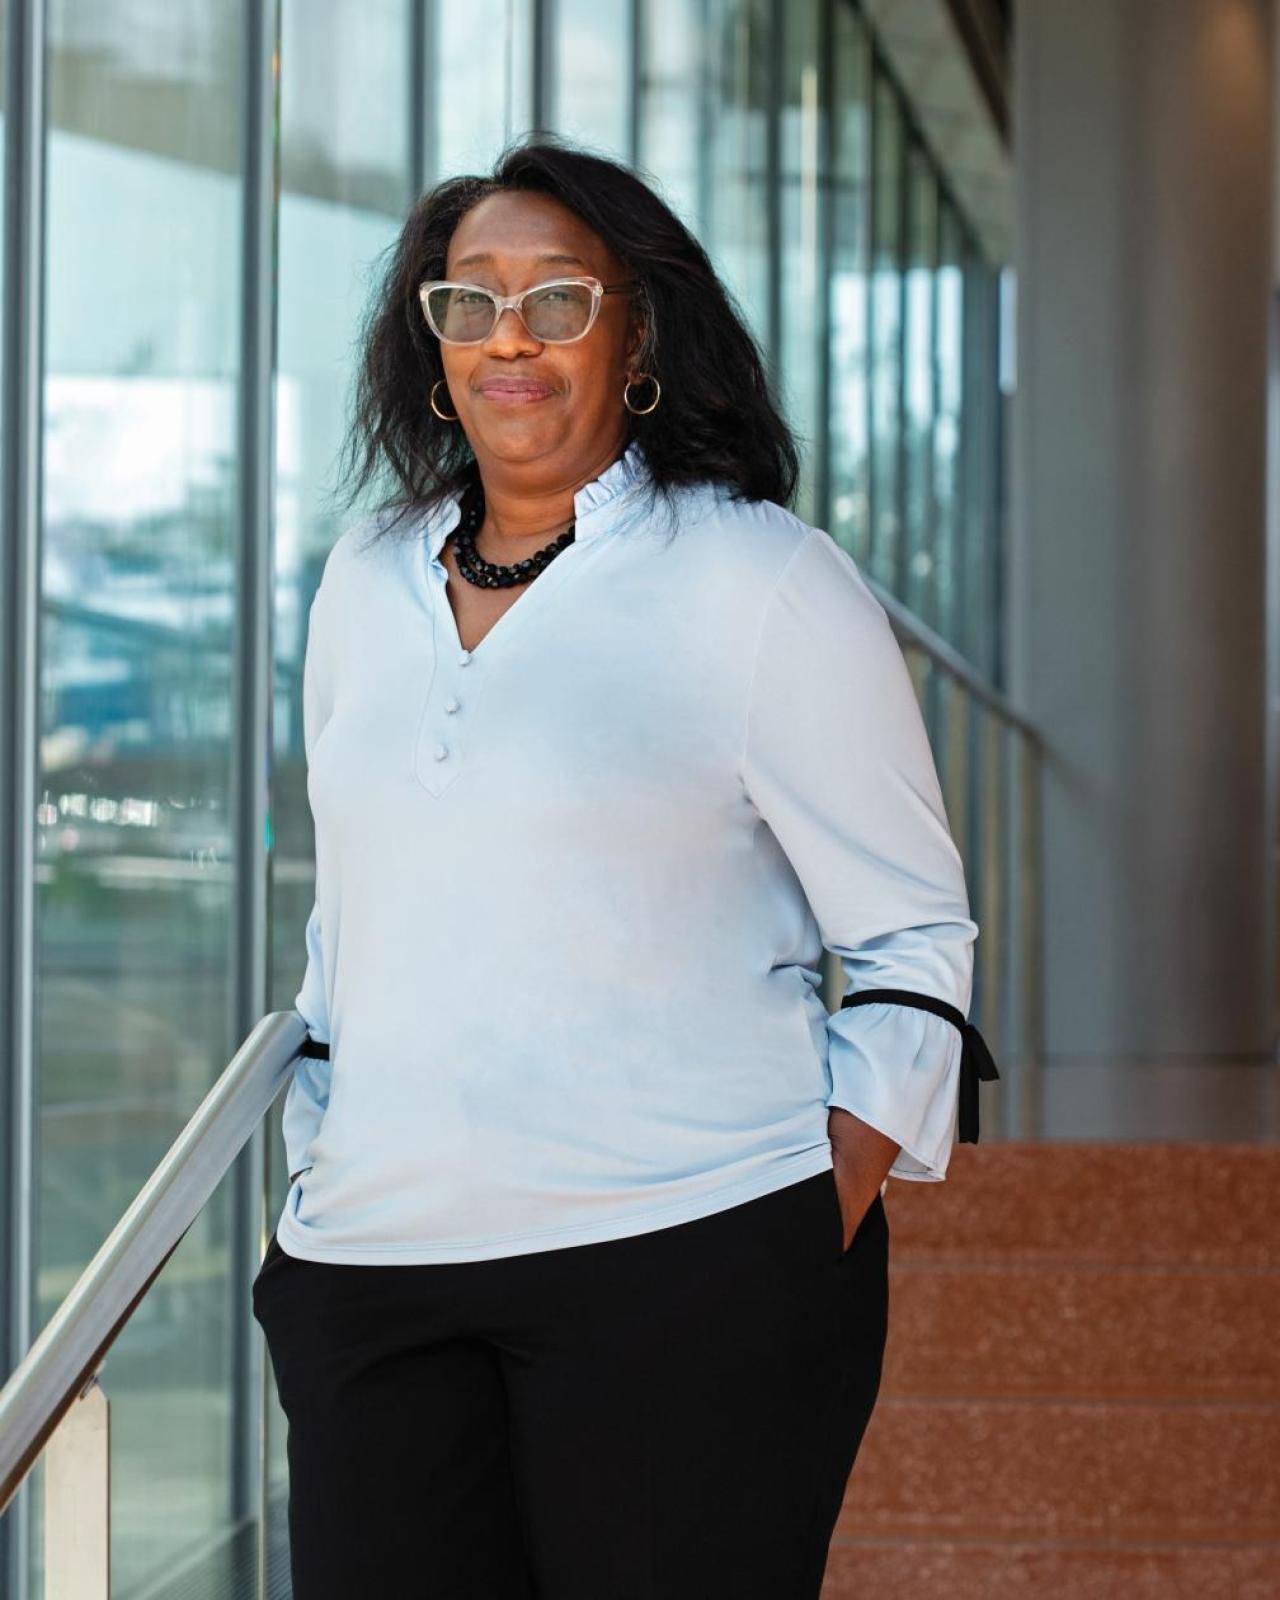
x=975, y=1058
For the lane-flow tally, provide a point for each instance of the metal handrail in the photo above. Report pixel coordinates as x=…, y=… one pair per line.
x=1020, y=1002
x=64, y=1360
x=910, y=630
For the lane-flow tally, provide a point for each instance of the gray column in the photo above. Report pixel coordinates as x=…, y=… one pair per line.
x=1143, y=142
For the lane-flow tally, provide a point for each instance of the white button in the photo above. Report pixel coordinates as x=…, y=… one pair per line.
x=441, y=751
x=464, y=658
x=451, y=704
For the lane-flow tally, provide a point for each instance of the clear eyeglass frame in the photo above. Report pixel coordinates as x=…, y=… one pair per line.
x=515, y=302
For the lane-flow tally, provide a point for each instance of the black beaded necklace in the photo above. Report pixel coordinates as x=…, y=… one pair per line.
x=490, y=574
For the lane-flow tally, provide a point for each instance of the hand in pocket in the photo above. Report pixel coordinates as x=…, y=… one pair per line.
x=850, y=1191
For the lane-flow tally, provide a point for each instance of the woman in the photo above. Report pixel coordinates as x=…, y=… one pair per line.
x=580, y=1288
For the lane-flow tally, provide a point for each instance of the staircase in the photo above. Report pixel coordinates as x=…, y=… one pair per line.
x=1081, y=1391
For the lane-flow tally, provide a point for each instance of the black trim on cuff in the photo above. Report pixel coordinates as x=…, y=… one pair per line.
x=314, y=1047
x=975, y=1058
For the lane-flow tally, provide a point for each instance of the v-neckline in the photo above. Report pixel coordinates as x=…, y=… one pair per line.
x=601, y=496
x=507, y=619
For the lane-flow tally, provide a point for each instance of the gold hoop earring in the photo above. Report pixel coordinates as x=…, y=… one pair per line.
x=641, y=411
x=443, y=415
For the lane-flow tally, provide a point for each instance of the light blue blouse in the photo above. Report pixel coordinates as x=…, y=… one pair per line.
x=573, y=886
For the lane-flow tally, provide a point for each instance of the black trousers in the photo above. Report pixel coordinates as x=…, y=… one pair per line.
x=670, y=1416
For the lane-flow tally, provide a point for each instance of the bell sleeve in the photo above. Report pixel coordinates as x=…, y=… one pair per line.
x=307, y=1097
x=836, y=761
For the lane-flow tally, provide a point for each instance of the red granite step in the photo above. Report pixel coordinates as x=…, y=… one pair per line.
x=1112, y=1204
x=905, y=1571
x=1081, y=1392
x=1083, y=1332
x=1107, y=1472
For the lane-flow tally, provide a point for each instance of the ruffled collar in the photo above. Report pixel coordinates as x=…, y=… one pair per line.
x=594, y=504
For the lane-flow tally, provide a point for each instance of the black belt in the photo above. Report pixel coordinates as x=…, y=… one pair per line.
x=975, y=1058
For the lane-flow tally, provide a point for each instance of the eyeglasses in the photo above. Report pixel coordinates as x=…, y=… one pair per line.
x=557, y=312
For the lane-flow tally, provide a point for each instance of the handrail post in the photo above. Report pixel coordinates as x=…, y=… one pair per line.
x=77, y=1500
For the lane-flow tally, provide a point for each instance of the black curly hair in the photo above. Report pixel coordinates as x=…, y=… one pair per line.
x=717, y=420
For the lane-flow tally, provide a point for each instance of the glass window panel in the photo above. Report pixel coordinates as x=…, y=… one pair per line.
x=134, y=875
x=979, y=445
x=849, y=287
x=482, y=97
x=918, y=384
x=886, y=338
x=674, y=111
x=802, y=137
x=735, y=221
x=344, y=125
x=593, y=72
x=704, y=122
x=948, y=421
